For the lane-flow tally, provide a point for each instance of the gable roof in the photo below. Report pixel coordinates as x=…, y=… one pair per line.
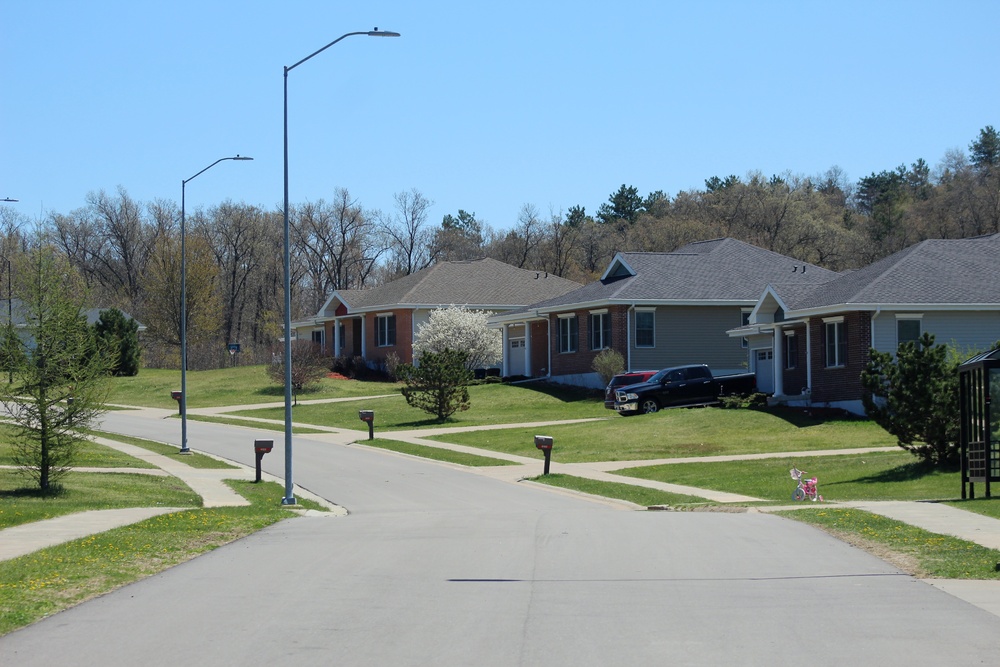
x=934, y=272
x=482, y=283
x=721, y=271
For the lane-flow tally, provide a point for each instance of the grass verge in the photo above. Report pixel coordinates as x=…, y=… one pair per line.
x=88, y=454
x=53, y=579
x=639, y=495
x=248, y=423
x=194, y=459
x=435, y=453
x=913, y=550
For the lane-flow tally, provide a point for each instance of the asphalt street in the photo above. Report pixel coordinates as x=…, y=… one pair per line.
x=438, y=566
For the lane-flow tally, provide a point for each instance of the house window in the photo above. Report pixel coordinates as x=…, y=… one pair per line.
x=907, y=329
x=645, y=328
x=568, y=334
x=836, y=343
x=745, y=321
x=385, y=330
x=600, y=330
x=791, y=351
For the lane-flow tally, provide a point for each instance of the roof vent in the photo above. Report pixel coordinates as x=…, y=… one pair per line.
x=536, y=275
x=795, y=269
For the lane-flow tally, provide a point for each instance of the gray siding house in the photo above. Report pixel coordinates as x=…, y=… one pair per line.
x=656, y=309
x=817, y=339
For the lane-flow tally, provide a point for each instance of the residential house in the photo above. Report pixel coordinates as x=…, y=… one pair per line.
x=656, y=309
x=375, y=322
x=818, y=338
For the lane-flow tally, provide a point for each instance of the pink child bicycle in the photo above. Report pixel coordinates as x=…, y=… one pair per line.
x=806, y=487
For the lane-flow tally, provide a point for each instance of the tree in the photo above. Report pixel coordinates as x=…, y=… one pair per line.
x=407, y=233
x=460, y=329
x=624, y=206
x=309, y=366
x=914, y=397
x=438, y=384
x=986, y=149
x=120, y=335
x=60, y=374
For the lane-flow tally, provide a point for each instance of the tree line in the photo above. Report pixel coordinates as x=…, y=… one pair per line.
x=128, y=252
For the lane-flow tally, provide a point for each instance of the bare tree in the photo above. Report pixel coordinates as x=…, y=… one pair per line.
x=408, y=237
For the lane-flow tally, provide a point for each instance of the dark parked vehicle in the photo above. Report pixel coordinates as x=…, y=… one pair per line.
x=681, y=386
x=622, y=380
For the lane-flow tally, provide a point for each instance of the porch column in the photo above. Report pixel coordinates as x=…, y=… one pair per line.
x=364, y=337
x=809, y=360
x=505, y=337
x=779, y=360
x=527, y=349
x=336, y=337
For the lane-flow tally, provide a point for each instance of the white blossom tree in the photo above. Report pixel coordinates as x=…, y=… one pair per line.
x=456, y=328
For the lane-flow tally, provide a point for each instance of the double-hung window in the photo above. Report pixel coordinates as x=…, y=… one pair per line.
x=907, y=328
x=836, y=342
x=645, y=328
x=791, y=351
x=385, y=330
x=569, y=331
x=600, y=330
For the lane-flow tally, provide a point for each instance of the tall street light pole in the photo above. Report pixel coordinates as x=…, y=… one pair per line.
x=289, y=498
x=183, y=399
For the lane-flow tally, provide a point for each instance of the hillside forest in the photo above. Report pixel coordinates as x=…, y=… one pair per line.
x=128, y=252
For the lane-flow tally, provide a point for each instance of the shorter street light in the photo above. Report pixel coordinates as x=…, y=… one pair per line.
x=182, y=400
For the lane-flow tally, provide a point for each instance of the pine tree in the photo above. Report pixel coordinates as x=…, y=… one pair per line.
x=438, y=384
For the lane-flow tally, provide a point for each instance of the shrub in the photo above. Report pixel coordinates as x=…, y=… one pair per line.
x=608, y=363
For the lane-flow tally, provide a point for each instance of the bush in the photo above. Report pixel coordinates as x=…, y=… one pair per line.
x=608, y=363
x=752, y=402
x=438, y=385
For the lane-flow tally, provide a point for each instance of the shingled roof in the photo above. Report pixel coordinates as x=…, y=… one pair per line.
x=938, y=271
x=481, y=283
x=720, y=270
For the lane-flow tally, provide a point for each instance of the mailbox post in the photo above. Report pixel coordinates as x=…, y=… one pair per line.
x=178, y=396
x=261, y=447
x=368, y=416
x=544, y=443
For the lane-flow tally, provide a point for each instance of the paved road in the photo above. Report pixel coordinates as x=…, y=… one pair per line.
x=438, y=566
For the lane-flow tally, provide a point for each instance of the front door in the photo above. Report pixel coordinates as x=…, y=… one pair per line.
x=763, y=366
x=356, y=337
x=515, y=356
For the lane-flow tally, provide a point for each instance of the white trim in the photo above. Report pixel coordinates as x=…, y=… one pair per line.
x=601, y=311
x=833, y=320
x=909, y=316
x=566, y=316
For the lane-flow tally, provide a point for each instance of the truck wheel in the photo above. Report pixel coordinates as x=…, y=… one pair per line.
x=649, y=406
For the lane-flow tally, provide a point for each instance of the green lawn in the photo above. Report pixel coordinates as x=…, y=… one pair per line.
x=639, y=495
x=194, y=459
x=20, y=501
x=88, y=454
x=490, y=404
x=682, y=433
x=227, y=386
x=46, y=581
x=435, y=453
x=872, y=476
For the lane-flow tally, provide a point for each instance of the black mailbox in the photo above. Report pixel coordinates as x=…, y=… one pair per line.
x=366, y=415
x=178, y=396
x=543, y=442
x=261, y=447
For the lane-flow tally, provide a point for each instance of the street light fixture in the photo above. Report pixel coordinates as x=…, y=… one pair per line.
x=183, y=400
x=289, y=498
x=9, y=199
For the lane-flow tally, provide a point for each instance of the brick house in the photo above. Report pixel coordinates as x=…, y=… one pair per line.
x=656, y=309
x=375, y=322
x=813, y=342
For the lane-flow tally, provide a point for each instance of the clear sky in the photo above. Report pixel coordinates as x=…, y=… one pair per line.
x=483, y=106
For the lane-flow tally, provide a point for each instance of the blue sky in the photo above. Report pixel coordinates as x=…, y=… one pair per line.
x=479, y=106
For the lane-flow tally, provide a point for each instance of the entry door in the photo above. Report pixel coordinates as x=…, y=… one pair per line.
x=356, y=337
x=764, y=368
x=515, y=356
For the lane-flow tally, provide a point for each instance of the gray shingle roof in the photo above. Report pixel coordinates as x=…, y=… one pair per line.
x=938, y=271
x=474, y=283
x=717, y=270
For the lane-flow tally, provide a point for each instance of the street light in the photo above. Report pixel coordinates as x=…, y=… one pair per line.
x=289, y=499
x=9, y=199
x=183, y=402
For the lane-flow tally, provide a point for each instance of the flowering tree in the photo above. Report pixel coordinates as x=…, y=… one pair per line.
x=455, y=328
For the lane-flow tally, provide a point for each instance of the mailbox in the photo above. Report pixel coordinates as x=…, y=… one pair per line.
x=261, y=447
x=176, y=395
x=366, y=415
x=543, y=442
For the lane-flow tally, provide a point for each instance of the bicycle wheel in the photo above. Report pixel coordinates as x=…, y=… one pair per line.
x=799, y=494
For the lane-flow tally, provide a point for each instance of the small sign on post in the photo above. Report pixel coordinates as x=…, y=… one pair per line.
x=234, y=349
x=544, y=443
x=261, y=447
x=368, y=416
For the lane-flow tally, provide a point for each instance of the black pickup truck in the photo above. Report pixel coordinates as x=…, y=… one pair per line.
x=681, y=386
